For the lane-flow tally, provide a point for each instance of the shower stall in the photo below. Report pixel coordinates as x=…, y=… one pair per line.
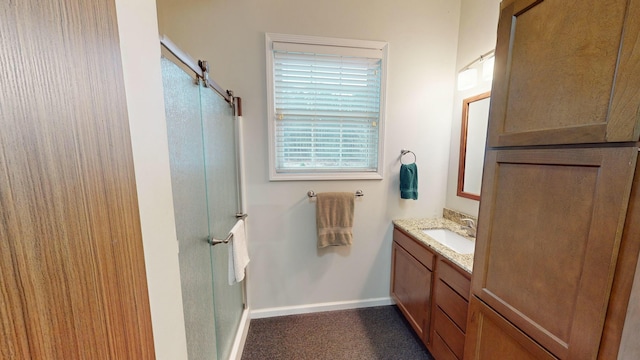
x=203, y=133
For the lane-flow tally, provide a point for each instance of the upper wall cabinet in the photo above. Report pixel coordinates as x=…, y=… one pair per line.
x=566, y=76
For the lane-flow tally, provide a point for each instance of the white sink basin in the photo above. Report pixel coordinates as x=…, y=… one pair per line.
x=453, y=241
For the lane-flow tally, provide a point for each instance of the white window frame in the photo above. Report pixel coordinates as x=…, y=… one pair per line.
x=347, y=44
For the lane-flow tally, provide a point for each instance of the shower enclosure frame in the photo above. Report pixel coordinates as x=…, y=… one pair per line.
x=200, y=68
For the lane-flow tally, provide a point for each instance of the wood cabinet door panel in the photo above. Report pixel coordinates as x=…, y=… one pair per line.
x=411, y=288
x=548, y=239
x=624, y=301
x=566, y=77
x=416, y=250
x=492, y=337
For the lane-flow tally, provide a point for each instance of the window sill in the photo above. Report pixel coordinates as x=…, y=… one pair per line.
x=325, y=176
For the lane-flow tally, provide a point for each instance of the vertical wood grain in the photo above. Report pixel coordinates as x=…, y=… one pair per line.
x=71, y=260
x=624, y=112
x=622, y=301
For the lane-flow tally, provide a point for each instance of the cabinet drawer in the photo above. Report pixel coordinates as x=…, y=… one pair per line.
x=440, y=351
x=454, y=278
x=449, y=332
x=414, y=248
x=452, y=304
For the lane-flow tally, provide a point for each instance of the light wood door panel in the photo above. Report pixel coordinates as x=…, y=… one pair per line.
x=72, y=274
x=492, y=337
x=623, y=312
x=550, y=228
x=411, y=288
x=565, y=73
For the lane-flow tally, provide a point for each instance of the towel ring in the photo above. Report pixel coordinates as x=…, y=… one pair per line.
x=404, y=152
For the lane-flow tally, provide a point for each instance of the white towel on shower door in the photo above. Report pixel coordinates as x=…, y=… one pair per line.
x=238, y=253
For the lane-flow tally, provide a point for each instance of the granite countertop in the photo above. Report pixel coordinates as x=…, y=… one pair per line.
x=413, y=227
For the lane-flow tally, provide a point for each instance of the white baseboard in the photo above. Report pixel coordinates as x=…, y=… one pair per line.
x=241, y=336
x=311, y=308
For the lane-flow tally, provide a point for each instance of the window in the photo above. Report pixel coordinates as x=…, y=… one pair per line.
x=326, y=107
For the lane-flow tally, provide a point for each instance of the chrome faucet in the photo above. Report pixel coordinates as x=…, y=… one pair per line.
x=470, y=227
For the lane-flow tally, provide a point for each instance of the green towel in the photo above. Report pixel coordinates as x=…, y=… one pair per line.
x=409, y=181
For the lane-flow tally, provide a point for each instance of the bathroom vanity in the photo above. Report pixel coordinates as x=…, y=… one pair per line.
x=430, y=283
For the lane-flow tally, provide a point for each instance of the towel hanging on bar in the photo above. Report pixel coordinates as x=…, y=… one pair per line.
x=334, y=218
x=238, y=254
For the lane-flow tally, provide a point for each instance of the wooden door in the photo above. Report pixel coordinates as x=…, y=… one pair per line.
x=566, y=73
x=411, y=288
x=411, y=281
x=492, y=337
x=550, y=227
x=72, y=274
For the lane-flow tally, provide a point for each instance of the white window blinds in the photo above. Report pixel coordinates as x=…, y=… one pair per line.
x=327, y=108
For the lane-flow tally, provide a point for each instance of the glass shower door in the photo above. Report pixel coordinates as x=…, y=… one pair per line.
x=223, y=204
x=206, y=194
x=188, y=181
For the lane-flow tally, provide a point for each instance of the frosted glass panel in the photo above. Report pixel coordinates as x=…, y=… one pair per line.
x=222, y=189
x=184, y=130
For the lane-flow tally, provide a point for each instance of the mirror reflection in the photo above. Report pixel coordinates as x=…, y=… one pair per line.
x=475, y=117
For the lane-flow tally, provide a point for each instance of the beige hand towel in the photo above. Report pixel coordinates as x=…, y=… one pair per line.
x=334, y=218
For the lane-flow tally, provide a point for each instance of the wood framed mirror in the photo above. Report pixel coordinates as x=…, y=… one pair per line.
x=473, y=136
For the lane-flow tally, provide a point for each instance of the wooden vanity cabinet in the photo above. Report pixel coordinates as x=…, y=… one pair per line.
x=566, y=73
x=411, y=279
x=437, y=313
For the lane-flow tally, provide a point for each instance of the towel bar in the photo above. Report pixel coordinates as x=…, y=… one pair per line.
x=213, y=241
x=312, y=193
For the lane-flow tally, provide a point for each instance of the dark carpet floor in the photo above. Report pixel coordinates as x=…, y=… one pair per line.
x=368, y=333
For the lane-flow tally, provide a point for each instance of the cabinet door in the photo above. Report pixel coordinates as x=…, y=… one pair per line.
x=549, y=232
x=492, y=337
x=411, y=289
x=566, y=73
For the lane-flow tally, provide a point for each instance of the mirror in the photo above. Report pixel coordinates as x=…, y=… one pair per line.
x=473, y=134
